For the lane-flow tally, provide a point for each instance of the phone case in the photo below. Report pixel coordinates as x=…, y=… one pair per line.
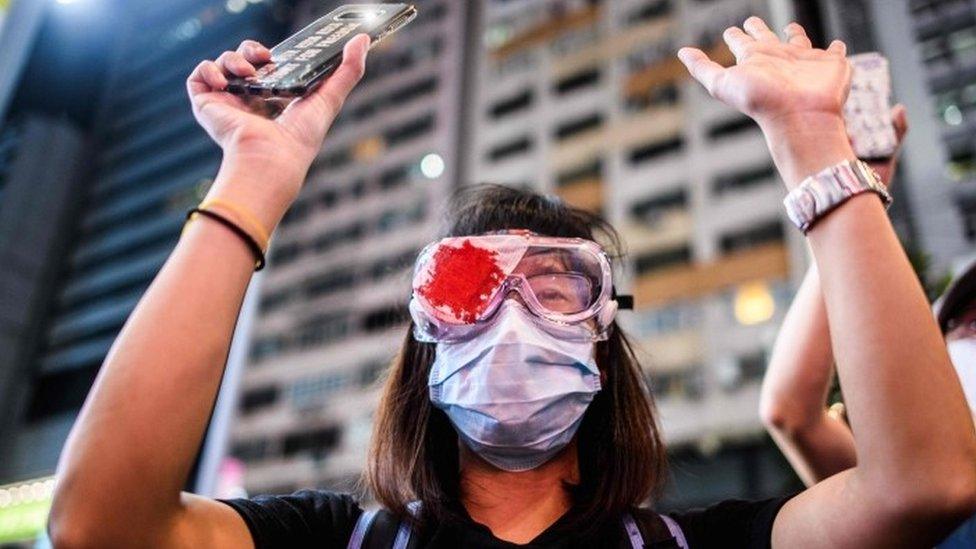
x=867, y=112
x=302, y=61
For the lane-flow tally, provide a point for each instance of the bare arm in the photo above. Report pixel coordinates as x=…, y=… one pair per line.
x=915, y=479
x=132, y=447
x=817, y=443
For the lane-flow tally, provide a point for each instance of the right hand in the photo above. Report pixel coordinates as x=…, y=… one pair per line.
x=285, y=146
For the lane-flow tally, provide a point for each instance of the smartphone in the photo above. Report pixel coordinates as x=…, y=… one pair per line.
x=303, y=61
x=867, y=112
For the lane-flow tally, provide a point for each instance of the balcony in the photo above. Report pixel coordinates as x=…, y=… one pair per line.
x=670, y=70
x=767, y=262
x=545, y=32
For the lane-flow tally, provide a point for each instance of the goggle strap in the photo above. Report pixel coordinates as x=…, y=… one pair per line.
x=624, y=302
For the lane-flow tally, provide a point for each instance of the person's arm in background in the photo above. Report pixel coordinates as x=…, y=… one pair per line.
x=816, y=442
x=915, y=479
x=120, y=476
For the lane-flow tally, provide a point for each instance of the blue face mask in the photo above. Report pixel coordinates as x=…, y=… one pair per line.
x=515, y=393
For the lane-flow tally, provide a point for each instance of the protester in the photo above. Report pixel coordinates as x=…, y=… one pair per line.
x=520, y=418
x=818, y=441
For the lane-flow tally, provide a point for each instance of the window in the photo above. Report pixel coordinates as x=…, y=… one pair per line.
x=329, y=282
x=371, y=372
x=770, y=231
x=256, y=399
x=752, y=366
x=651, y=210
x=328, y=198
x=410, y=130
x=657, y=149
x=582, y=79
x=732, y=127
x=512, y=105
x=396, y=176
x=298, y=211
x=657, y=96
x=316, y=443
x=286, y=253
x=322, y=329
x=383, y=318
x=579, y=125
x=250, y=451
x=513, y=148
x=272, y=301
x=589, y=172
x=313, y=392
x=266, y=346
x=744, y=179
x=412, y=91
x=652, y=9
x=683, y=384
x=657, y=260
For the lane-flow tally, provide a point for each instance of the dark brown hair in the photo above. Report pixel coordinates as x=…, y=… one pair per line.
x=414, y=452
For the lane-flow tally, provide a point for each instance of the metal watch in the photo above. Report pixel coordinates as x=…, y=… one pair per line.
x=818, y=194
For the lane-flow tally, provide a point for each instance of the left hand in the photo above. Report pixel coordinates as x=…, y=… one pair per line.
x=772, y=80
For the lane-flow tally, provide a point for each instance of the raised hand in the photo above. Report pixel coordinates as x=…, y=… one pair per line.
x=286, y=144
x=795, y=92
x=773, y=78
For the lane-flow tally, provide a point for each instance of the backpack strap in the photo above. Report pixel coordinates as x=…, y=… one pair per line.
x=362, y=526
x=375, y=528
x=660, y=532
x=404, y=531
x=676, y=531
x=633, y=532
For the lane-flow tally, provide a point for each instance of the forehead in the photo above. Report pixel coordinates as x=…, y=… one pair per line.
x=541, y=257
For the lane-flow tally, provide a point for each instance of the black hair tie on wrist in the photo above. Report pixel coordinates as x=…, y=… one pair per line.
x=247, y=238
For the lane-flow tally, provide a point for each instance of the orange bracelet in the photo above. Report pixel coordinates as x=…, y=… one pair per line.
x=249, y=219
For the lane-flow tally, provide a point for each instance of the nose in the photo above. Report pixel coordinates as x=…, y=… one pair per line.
x=514, y=295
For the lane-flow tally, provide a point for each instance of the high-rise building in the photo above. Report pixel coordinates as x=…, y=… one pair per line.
x=931, y=46
x=333, y=299
x=145, y=164
x=586, y=100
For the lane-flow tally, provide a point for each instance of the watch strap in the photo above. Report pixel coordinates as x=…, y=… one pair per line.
x=821, y=193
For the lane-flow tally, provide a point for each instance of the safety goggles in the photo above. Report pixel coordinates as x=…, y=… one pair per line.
x=459, y=283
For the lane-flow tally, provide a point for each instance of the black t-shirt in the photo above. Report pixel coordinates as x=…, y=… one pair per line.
x=320, y=519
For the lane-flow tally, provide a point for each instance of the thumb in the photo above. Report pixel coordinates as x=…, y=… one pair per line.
x=324, y=103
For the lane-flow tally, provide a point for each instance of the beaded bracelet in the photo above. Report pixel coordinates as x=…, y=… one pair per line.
x=245, y=236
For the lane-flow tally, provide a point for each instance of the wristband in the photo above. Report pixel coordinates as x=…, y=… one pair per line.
x=258, y=230
x=245, y=236
x=819, y=194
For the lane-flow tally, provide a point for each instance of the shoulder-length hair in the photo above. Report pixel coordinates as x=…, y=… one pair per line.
x=414, y=449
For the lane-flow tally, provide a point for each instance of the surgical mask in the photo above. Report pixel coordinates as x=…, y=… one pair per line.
x=515, y=394
x=963, y=355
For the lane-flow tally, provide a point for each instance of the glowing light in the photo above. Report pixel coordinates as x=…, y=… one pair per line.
x=369, y=149
x=236, y=6
x=754, y=304
x=432, y=166
x=66, y=2
x=952, y=115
